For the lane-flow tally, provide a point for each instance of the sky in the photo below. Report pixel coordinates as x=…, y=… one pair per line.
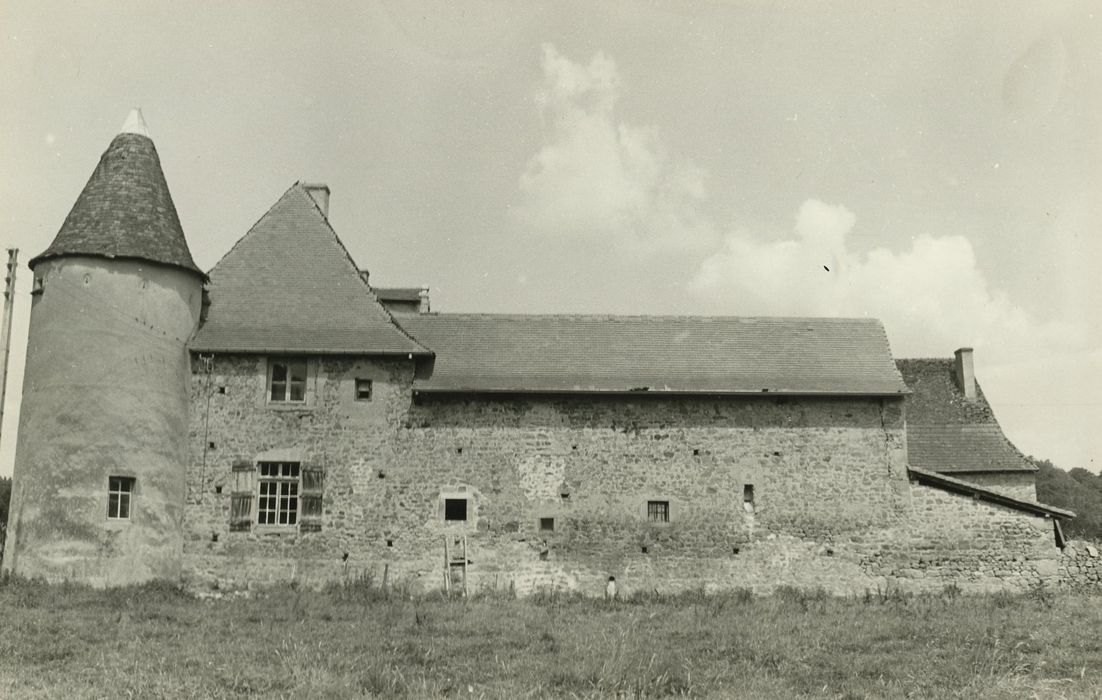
x=934, y=165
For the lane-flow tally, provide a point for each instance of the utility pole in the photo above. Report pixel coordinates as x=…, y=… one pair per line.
x=5, y=338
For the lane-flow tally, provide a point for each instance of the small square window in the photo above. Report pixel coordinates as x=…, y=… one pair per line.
x=748, y=498
x=287, y=380
x=120, y=490
x=363, y=389
x=658, y=511
x=455, y=509
x=547, y=524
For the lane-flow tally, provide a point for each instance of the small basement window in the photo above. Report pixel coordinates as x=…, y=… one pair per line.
x=455, y=509
x=748, y=498
x=658, y=511
x=363, y=389
x=120, y=490
x=547, y=524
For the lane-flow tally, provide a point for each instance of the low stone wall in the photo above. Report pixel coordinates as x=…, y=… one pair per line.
x=1081, y=565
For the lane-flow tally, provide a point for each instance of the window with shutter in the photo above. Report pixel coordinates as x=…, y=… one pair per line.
x=241, y=500
x=313, y=476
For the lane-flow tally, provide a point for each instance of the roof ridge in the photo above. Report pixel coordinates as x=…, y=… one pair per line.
x=252, y=229
x=301, y=186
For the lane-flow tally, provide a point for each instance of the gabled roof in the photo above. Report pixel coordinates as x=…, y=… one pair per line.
x=948, y=483
x=721, y=355
x=125, y=209
x=946, y=432
x=290, y=286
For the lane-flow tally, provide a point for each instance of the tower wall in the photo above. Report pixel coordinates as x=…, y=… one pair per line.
x=104, y=394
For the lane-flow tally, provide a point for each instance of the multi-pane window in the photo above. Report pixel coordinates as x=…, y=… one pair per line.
x=278, y=502
x=120, y=489
x=287, y=381
x=658, y=511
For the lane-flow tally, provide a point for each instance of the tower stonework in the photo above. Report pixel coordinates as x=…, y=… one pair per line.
x=99, y=482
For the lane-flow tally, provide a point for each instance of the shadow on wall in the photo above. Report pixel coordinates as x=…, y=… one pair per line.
x=5, y=500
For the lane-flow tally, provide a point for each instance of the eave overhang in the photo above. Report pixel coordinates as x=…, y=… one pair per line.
x=947, y=483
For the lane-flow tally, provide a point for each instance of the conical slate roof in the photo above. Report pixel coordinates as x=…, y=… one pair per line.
x=290, y=286
x=125, y=210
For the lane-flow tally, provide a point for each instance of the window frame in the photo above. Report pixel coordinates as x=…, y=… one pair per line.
x=658, y=511
x=287, y=490
x=370, y=389
x=466, y=510
x=288, y=363
x=130, y=484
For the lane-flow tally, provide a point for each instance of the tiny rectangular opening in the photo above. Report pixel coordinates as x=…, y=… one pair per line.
x=547, y=524
x=748, y=498
x=658, y=511
x=363, y=389
x=455, y=509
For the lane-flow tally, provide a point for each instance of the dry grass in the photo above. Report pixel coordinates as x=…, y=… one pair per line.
x=356, y=641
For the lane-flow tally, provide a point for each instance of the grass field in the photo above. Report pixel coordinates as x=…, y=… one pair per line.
x=72, y=642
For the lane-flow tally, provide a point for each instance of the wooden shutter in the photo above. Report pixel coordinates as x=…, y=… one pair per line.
x=313, y=477
x=244, y=491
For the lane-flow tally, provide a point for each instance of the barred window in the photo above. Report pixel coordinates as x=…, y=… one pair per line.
x=658, y=511
x=120, y=489
x=287, y=380
x=279, y=487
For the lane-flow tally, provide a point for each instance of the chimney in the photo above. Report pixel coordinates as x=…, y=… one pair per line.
x=319, y=192
x=966, y=375
x=423, y=295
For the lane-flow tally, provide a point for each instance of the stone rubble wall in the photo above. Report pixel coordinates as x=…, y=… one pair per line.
x=833, y=507
x=1081, y=565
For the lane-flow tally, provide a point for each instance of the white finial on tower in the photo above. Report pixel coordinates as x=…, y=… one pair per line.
x=135, y=124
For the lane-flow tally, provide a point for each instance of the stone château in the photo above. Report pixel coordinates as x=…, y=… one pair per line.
x=279, y=419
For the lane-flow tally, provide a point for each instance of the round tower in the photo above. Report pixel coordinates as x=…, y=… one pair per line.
x=99, y=482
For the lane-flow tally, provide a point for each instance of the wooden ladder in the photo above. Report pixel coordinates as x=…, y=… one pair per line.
x=455, y=557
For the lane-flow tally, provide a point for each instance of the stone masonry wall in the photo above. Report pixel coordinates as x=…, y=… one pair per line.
x=952, y=538
x=832, y=506
x=1021, y=485
x=1081, y=565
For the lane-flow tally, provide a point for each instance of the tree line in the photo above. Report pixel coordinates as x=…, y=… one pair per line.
x=1078, y=490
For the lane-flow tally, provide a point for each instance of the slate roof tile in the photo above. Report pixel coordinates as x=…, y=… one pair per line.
x=124, y=211
x=947, y=433
x=562, y=353
x=290, y=286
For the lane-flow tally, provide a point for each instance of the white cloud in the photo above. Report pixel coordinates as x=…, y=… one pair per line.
x=600, y=177
x=932, y=297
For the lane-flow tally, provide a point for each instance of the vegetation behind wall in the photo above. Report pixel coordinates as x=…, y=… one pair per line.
x=1078, y=490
